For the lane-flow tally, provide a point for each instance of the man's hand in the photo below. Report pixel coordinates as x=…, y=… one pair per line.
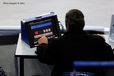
x=101, y=36
x=43, y=39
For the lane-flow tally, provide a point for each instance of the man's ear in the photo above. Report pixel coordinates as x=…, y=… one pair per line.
x=67, y=27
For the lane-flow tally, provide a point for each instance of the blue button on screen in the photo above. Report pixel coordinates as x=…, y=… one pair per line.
x=41, y=25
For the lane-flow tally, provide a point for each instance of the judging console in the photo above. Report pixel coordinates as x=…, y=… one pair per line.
x=32, y=29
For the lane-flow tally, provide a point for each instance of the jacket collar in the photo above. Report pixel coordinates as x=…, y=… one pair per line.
x=76, y=32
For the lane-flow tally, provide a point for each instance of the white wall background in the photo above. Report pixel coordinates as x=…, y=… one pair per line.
x=97, y=12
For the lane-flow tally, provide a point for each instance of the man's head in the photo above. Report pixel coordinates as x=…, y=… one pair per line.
x=74, y=20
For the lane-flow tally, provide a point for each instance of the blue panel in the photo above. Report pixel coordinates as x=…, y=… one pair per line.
x=24, y=34
x=93, y=63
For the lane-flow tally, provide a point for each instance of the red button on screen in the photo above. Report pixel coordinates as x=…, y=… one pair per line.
x=36, y=32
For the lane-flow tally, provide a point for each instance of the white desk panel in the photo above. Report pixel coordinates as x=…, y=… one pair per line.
x=24, y=49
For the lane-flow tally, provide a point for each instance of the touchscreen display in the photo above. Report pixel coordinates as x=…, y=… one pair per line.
x=40, y=28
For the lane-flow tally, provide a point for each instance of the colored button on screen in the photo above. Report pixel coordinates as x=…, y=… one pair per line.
x=36, y=33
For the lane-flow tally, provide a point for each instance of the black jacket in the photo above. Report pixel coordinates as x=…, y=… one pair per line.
x=74, y=46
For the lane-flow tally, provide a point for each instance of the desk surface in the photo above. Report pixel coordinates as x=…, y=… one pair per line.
x=23, y=49
x=109, y=42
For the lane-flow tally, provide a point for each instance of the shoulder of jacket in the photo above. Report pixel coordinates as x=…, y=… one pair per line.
x=97, y=37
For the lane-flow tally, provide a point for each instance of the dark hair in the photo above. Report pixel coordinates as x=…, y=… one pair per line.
x=75, y=19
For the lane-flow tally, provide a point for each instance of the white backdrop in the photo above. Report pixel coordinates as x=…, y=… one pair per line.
x=97, y=12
